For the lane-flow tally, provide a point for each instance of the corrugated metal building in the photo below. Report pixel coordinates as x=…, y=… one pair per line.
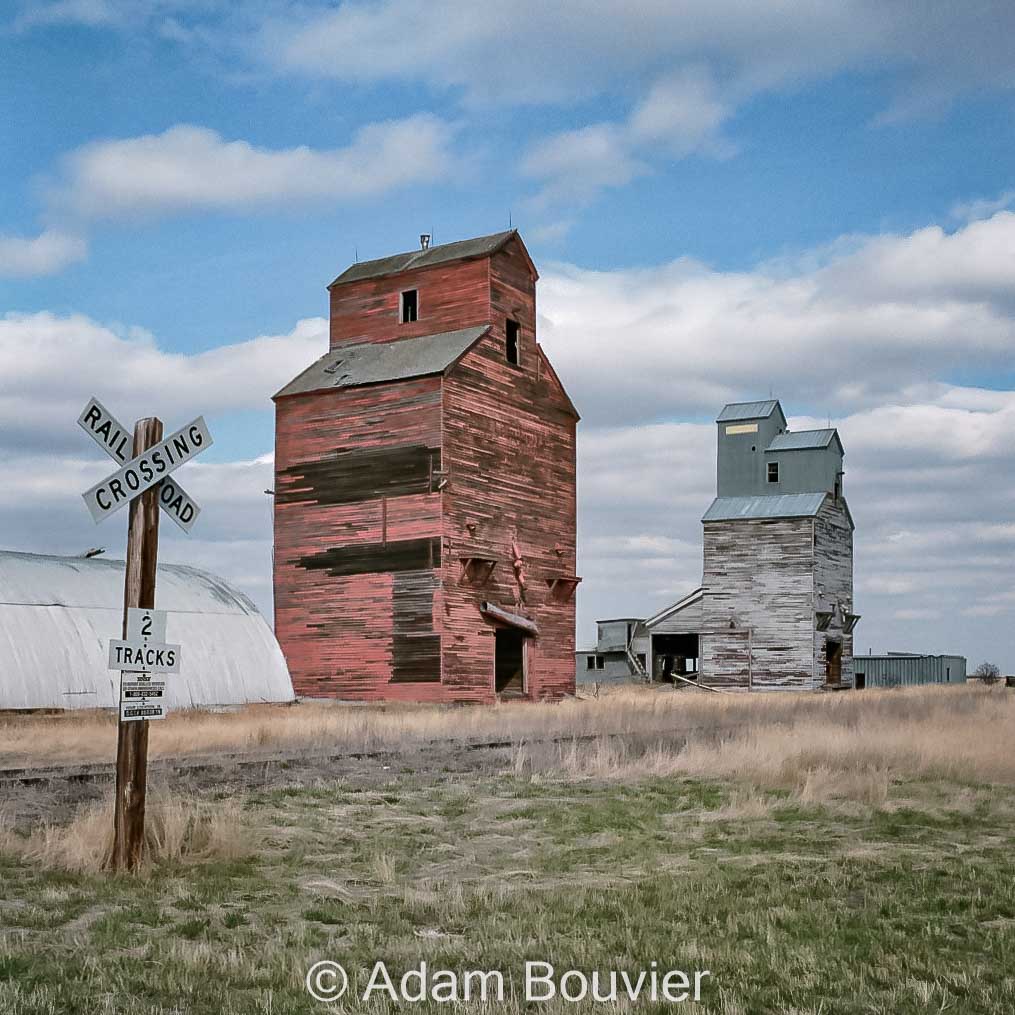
x=425, y=502
x=57, y=615
x=907, y=669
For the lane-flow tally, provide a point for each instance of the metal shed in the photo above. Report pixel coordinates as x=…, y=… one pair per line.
x=620, y=653
x=57, y=615
x=907, y=669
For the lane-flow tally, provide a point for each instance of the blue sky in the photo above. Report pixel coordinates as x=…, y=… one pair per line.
x=721, y=198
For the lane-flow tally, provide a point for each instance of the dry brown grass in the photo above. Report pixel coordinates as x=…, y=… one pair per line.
x=849, y=746
x=959, y=733
x=176, y=828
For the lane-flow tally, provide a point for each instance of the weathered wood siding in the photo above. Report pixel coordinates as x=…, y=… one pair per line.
x=357, y=540
x=451, y=296
x=833, y=581
x=760, y=574
x=689, y=620
x=509, y=448
x=382, y=490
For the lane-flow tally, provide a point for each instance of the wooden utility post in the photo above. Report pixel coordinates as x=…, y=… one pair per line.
x=138, y=591
x=142, y=653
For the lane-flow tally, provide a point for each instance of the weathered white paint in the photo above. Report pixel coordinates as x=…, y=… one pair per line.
x=764, y=581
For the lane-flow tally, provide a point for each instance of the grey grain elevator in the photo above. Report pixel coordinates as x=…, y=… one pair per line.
x=777, y=583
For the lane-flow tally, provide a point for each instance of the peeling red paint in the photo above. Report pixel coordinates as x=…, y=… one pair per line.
x=384, y=493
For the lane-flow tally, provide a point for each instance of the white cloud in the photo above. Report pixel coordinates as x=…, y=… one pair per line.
x=189, y=168
x=531, y=51
x=51, y=365
x=579, y=163
x=692, y=63
x=983, y=208
x=681, y=115
x=44, y=254
x=868, y=320
x=683, y=112
x=550, y=232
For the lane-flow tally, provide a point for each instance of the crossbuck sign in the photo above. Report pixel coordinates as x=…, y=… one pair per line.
x=149, y=469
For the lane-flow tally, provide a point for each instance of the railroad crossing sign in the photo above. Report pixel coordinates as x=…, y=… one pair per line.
x=148, y=469
x=141, y=697
x=114, y=438
x=142, y=482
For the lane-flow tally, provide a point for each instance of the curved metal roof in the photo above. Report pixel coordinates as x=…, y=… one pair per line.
x=57, y=615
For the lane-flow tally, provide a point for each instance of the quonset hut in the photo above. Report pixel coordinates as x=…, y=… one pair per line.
x=57, y=615
x=425, y=488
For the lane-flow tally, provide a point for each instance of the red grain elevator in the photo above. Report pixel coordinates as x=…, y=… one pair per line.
x=425, y=488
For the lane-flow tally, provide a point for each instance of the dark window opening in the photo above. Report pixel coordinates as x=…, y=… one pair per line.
x=773, y=472
x=860, y=681
x=511, y=346
x=600, y=662
x=590, y=662
x=409, y=307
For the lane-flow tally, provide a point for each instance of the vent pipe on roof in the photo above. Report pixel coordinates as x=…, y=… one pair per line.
x=424, y=241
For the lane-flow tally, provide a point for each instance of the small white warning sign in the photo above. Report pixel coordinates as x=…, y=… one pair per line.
x=141, y=654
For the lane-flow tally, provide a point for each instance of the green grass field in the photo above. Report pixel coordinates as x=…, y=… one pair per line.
x=903, y=905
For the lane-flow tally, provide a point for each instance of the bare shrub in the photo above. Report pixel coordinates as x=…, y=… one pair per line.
x=176, y=828
x=988, y=673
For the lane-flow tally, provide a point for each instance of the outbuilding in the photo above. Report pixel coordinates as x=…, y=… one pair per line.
x=619, y=654
x=58, y=614
x=907, y=669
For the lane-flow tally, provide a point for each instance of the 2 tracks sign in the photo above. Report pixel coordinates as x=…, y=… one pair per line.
x=143, y=652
